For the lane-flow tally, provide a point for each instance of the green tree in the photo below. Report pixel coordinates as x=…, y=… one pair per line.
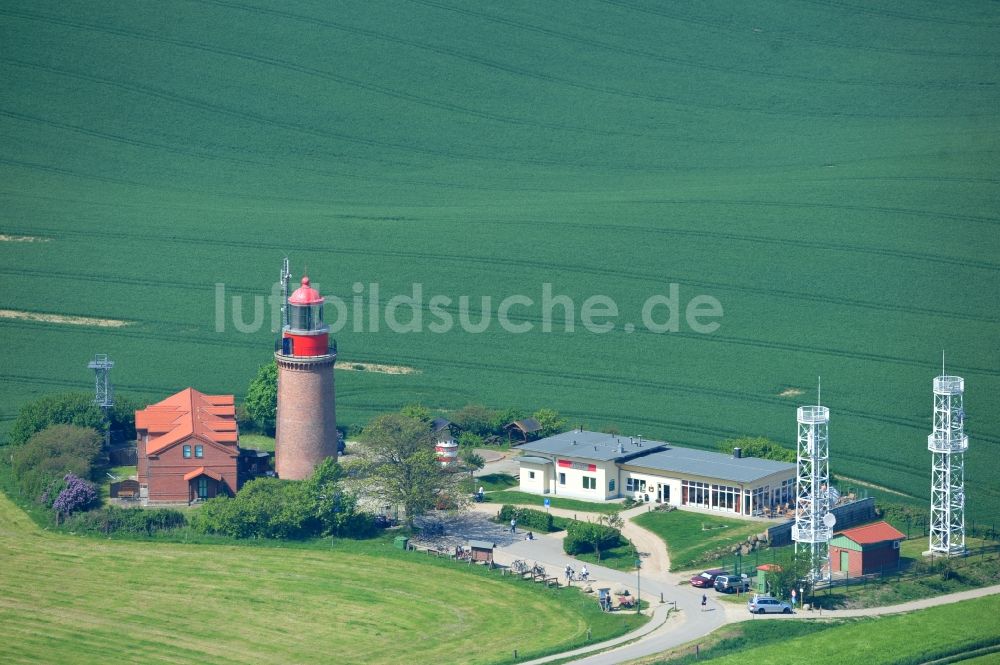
x=550, y=421
x=472, y=461
x=57, y=409
x=758, y=446
x=590, y=537
x=476, y=419
x=261, y=401
x=470, y=440
x=791, y=571
x=417, y=411
x=51, y=454
x=399, y=463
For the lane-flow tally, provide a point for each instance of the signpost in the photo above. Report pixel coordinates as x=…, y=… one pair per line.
x=638, y=585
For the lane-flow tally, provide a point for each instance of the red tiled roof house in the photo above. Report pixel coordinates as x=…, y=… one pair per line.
x=188, y=448
x=866, y=549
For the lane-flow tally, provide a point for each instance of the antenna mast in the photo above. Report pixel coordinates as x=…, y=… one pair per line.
x=104, y=393
x=813, y=497
x=286, y=273
x=947, y=444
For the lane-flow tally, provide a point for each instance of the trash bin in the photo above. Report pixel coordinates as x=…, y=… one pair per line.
x=401, y=542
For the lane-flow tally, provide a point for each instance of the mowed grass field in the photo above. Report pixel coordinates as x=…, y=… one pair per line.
x=826, y=171
x=944, y=631
x=86, y=600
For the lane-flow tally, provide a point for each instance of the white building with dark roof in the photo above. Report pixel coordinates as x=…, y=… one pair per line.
x=601, y=467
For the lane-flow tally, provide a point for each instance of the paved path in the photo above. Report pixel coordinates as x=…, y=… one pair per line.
x=666, y=629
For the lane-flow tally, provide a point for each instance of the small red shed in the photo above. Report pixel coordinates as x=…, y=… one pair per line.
x=866, y=549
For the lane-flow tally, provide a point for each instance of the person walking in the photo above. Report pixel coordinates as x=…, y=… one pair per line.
x=584, y=573
x=513, y=525
x=569, y=574
x=704, y=601
x=480, y=494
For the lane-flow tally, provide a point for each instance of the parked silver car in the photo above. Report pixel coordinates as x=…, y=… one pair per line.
x=767, y=605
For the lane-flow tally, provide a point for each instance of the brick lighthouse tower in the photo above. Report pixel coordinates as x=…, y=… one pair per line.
x=306, y=420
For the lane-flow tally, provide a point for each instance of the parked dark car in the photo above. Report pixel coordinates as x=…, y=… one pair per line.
x=732, y=583
x=706, y=579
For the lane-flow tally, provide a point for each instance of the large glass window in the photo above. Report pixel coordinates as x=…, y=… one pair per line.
x=694, y=493
x=635, y=485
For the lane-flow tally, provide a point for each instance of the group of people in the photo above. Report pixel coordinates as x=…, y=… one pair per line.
x=584, y=573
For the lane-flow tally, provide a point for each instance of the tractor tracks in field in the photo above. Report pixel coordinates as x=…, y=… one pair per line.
x=548, y=266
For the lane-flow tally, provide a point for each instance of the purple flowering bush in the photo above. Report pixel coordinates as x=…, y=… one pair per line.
x=77, y=495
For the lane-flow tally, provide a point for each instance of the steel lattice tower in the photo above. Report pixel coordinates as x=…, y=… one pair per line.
x=948, y=444
x=812, y=529
x=104, y=394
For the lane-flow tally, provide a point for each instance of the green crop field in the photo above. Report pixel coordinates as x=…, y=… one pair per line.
x=825, y=170
x=88, y=600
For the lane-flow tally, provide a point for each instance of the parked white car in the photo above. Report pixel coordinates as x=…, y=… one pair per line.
x=767, y=605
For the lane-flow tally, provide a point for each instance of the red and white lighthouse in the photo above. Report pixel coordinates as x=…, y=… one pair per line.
x=306, y=419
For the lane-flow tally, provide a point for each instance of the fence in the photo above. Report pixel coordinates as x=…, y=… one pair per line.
x=123, y=456
x=910, y=571
x=848, y=514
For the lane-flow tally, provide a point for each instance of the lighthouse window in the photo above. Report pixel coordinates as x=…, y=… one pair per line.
x=199, y=451
x=187, y=452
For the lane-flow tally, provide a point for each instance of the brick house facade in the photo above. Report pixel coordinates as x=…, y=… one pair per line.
x=872, y=548
x=188, y=448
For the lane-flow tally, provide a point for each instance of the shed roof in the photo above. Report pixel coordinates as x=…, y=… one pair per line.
x=188, y=413
x=694, y=462
x=596, y=446
x=526, y=425
x=869, y=534
x=439, y=424
x=481, y=544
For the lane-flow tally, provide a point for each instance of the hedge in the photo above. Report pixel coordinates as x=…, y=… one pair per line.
x=527, y=518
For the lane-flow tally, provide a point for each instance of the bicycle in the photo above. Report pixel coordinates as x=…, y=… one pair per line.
x=519, y=566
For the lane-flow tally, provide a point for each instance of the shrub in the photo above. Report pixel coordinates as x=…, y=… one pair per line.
x=41, y=464
x=590, y=537
x=527, y=518
x=78, y=494
x=287, y=509
x=135, y=521
x=72, y=409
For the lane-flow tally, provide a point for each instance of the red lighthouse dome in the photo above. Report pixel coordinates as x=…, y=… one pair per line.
x=305, y=294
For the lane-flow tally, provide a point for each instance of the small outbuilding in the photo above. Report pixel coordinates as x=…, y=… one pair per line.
x=871, y=548
x=482, y=551
x=524, y=428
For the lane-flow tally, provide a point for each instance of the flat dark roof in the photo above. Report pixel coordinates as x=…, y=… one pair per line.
x=595, y=446
x=655, y=456
x=694, y=462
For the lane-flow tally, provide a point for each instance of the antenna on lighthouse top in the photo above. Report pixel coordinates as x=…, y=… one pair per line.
x=286, y=273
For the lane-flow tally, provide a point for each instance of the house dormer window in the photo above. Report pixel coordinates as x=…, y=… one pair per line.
x=187, y=452
x=199, y=452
